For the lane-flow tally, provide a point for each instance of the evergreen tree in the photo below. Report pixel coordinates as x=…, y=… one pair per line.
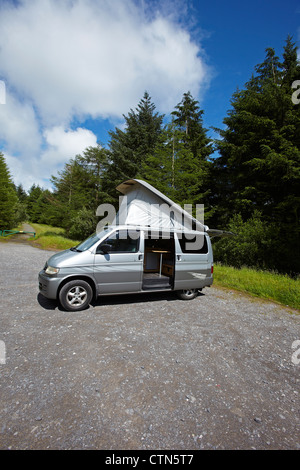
x=72, y=191
x=290, y=63
x=179, y=165
x=21, y=206
x=258, y=167
x=41, y=209
x=21, y=193
x=192, y=163
x=78, y=190
x=129, y=148
x=33, y=195
x=94, y=161
x=158, y=168
x=8, y=197
x=188, y=120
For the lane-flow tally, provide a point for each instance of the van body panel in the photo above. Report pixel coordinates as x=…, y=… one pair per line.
x=190, y=276
x=72, y=259
x=118, y=272
x=192, y=270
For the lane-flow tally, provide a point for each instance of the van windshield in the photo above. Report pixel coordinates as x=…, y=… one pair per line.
x=89, y=242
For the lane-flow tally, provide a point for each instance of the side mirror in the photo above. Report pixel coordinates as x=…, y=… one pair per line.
x=105, y=248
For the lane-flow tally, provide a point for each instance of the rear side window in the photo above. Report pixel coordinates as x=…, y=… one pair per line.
x=197, y=244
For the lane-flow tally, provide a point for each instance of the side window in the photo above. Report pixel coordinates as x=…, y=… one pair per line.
x=198, y=244
x=122, y=241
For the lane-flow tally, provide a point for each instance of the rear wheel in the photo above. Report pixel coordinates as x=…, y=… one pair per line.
x=187, y=294
x=75, y=295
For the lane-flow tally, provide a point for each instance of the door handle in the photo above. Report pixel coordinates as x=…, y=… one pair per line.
x=140, y=257
x=179, y=257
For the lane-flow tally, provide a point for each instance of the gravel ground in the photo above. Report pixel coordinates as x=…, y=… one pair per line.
x=144, y=371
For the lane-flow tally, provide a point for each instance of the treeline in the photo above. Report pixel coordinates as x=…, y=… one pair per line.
x=247, y=179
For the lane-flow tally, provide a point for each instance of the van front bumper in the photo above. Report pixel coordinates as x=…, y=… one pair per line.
x=48, y=285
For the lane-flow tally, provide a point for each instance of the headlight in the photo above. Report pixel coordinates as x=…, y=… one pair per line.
x=50, y=270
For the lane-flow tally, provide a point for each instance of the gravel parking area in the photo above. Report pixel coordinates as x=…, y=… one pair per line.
x=144, y=371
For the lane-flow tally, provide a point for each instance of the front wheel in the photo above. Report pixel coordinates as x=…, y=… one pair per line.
x=75, y=295
x=187, y=294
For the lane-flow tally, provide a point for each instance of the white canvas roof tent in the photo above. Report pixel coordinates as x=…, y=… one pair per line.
x=146, y=206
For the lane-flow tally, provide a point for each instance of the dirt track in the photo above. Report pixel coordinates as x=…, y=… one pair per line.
x=144, y=371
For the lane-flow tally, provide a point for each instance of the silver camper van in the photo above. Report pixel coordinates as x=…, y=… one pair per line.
x=132, y=257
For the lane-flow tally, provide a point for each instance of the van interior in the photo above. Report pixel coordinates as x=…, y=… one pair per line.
x=159, y=263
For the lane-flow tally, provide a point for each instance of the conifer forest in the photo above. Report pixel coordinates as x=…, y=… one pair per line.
x=247, y=177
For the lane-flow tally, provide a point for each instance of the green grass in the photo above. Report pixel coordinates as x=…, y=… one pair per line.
x=264, y=284
x=51, y=238
x=8, y=237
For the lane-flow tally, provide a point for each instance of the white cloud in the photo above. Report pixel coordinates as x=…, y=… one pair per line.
x=88, y=58
x=60, y=146
x=18, y=125
x=25, y=171
x=65, y=144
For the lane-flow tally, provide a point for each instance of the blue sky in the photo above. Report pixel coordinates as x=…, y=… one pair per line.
x=72, y=68
x=240, y=31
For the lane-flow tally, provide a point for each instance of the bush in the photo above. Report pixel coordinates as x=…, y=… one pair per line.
x=82, y=225
x=255, y=244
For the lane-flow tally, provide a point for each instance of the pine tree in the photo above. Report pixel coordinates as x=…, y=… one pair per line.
x=158, y=168
x=179, y=165
x=33, y=195
x=8, y=197
x=94, y=161
x=78, y=189
x=73, y=190
x=258, y=167
x=129, y=148
x=188, y=120
x=21, y=193
x=192, y=150
x=290, y=63
x=21, y=206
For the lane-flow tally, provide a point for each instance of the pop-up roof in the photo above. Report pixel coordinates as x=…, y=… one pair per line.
x=146, y=206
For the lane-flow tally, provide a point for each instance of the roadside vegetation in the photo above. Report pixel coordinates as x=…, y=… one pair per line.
x=51, y=238
x=264, y=284
x=10, y=235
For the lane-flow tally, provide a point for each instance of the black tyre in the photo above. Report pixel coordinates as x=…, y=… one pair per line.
x=187, y=294
x=75, y=295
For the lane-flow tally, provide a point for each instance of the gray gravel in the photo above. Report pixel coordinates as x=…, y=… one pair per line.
x=144, y=371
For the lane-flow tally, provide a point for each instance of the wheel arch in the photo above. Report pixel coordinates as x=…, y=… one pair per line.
x=79, y=277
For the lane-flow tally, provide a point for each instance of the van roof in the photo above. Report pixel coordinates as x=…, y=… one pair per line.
x=152, y=229
x=135, y=209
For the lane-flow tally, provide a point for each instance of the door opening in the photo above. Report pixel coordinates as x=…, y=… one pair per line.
x=159, y=263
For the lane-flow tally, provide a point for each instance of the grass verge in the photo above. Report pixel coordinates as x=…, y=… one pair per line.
x=8, y=237
x=51, y=238
x=264, y=284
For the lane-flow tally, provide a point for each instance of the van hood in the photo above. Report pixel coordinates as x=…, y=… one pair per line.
x=68, y=258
